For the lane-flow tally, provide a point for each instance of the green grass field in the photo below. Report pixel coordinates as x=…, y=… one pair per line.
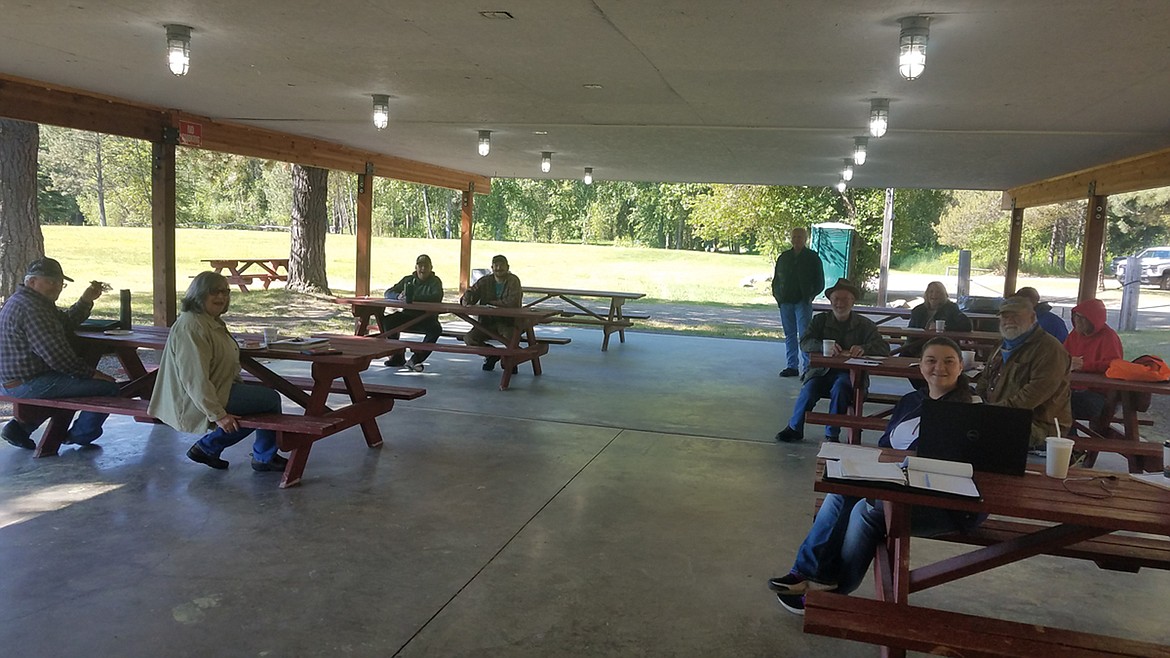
x=703, y=281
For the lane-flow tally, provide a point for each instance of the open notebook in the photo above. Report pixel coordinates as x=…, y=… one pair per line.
x=933, y=475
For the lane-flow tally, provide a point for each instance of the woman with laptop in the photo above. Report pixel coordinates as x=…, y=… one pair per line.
x=838, y=549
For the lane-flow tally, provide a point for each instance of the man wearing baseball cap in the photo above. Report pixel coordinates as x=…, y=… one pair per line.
x=1029, y=370
x=37, y=359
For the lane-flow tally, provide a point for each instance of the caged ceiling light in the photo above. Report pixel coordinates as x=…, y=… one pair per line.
x=178, y=48
x=381, y=111
x=860, y=145
x=879, y=116
x=912, y=46
x=485, y=142
x=841, y=185
x=847, y=170
x=546, y=161
x=588, y=175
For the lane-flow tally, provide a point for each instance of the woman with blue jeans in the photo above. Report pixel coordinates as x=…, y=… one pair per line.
x=838, y=549
x=199, y=386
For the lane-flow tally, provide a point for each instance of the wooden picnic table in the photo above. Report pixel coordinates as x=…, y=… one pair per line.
x=338, y=372
x=1128, y=395
x=983, y=343
x=615, y=319
x=243, y=272
x=1059, y=515
x=513, y=353
x=884, y=314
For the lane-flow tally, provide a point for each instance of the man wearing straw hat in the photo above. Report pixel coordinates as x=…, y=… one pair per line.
x=1029, y=370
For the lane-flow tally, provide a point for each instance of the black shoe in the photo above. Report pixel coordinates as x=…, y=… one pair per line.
x=196, y=454
x=489, y=362
x=277, y=464
x=789, y=372
x=14, y=433
x=793, y=603
x=396, y=361
x=789, y=435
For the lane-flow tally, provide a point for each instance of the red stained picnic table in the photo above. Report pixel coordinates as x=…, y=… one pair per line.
x=615, y=319
x=243, y=272
x=885, y=314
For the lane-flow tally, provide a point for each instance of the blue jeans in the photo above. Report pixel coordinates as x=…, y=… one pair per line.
x=794, y=318
x=834, y=385
x=87, y=427
x=841, y=543
x=245, y=399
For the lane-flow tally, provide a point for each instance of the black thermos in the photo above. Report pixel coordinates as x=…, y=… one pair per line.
x=124, y=317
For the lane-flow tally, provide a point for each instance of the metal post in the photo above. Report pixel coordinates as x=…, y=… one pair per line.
x=887, y=237
x=1130, y=289
x=963, y=285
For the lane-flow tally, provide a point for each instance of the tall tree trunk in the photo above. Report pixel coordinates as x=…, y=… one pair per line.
x=21, y=241
x=310, y=221
x=101, y=180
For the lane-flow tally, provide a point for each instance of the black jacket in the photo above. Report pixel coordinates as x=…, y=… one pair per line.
x=798, y=277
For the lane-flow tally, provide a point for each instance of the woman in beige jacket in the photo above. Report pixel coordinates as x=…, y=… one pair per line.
x=199, y=385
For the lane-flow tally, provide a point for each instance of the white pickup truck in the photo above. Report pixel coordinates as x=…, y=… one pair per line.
x=1155, y=266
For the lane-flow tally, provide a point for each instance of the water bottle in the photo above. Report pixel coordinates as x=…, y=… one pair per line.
x=124, y=316
x=408, y=291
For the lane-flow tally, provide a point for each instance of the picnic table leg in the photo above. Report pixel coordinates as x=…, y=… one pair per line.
x=1129, y=416
x=297, y=458
x=898, y=553
x=858, y=379
x=357, y=393
x=55, y=432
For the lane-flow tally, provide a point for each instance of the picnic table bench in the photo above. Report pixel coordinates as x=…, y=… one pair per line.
x=615, y=319
x=243, y=272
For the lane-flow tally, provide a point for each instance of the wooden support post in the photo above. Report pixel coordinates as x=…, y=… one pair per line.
x=1015, y=237
x=465, y=238
x=364, y=230
x=887, y=238
x=162, y=224
x=1091, y=252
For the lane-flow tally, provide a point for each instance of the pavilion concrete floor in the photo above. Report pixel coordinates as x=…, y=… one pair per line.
x=625, y=503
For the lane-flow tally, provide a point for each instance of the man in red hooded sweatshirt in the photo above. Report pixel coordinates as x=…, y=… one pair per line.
x=1092, y=345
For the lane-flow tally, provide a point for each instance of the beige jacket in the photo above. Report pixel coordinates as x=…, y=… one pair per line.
x=1036, y=378
x=199, y=364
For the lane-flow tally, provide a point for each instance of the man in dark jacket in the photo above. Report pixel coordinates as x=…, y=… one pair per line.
x=502, y=289
x=852, y=334
x=799, y=277
x=423, y=285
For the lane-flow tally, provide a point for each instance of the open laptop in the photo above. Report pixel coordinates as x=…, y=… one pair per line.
x=990, y=438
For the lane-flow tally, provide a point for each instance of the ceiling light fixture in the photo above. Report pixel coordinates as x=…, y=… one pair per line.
x=860, y=144
x=178, y=48
x=546, y=161
x=485, y=142
x=381, y=111
x=847, y=170
x=879, y=116
x=588, y=175
x=912, y=46
x=841, y=185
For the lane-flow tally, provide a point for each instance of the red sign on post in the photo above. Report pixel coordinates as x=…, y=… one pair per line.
x=190, y=133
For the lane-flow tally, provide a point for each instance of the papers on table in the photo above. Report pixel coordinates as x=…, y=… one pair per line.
x=1156, y=479
x=830, y=450
x=299, y=344
x=862, y=362
x=933, y=475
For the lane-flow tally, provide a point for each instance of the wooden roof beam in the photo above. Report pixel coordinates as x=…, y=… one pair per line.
x=1142, y=172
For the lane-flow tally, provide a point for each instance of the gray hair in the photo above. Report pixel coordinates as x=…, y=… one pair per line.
x=200, y=289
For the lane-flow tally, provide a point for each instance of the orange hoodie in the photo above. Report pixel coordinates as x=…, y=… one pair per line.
x=1099, y=347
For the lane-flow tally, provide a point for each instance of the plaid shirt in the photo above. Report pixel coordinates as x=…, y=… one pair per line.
x=35, y=335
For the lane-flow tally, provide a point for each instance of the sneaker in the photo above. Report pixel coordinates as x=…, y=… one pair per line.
x=789, y=435
x=793, y=603
x=276, y=464
x=794, y=583
x=789, y=372
x=396, y=361
x=14, y=433
x=417, y=367
x=489, y=362
x=196, y=454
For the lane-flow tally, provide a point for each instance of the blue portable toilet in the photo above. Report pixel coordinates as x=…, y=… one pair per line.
x=835, y=243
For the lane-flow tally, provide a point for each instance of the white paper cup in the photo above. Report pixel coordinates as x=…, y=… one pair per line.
x=270, y=335
x=968, y=359
x=827, y=347
x=940, y=325
x=1059, y=455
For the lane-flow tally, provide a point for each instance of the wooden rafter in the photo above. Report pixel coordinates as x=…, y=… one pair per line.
x=1140, y=172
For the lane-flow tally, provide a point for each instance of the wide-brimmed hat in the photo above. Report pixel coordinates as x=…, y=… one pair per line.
x=844, y=284
x=1015, y=305
x=46, y=267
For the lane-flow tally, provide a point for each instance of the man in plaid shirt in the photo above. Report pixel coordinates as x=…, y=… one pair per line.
x=37, y=359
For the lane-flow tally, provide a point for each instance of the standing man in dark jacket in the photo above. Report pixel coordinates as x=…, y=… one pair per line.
x=423, y=285
x=799, y=277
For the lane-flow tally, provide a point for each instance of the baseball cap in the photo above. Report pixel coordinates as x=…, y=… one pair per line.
x=46, y=267
x=1015, y=305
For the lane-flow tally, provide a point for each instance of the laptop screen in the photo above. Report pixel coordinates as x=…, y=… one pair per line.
x=990, y=438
